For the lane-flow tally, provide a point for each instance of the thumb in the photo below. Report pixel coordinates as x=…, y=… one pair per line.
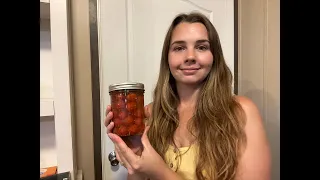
x=147, y=111
x=144, y=139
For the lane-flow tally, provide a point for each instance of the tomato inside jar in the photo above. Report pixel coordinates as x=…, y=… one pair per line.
x=127, y=104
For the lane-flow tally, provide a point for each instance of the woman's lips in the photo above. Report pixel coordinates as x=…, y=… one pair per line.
x=189, y=71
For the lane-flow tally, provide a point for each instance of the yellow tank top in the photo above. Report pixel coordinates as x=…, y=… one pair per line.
x=185, y=166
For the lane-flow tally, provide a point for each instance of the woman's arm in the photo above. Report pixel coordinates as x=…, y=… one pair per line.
x=167, y=174
x=255, y=161
x=135, y=177
x=164, y=174
x=149, y=163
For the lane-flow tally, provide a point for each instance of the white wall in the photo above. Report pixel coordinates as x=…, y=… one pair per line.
x=46, y=84
x=48, y=154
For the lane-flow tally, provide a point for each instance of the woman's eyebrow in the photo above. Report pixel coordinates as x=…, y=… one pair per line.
x=178, y=42
x=184, y=42
x=202, y=41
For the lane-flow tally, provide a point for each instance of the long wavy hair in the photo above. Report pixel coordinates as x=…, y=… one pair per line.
x=218, y=119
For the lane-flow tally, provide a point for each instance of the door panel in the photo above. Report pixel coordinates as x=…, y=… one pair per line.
x=259, y=66
x=131, y=34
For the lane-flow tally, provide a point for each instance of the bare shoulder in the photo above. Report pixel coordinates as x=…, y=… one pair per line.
x=255, y=161
x=250, y=109
x=247, y=105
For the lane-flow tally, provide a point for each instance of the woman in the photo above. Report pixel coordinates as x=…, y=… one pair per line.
x=196, y=127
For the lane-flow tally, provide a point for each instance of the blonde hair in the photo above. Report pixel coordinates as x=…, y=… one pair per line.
x=218, y=119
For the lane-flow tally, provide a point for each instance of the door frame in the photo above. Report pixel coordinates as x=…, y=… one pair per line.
x=95, y=86
x=95, y=79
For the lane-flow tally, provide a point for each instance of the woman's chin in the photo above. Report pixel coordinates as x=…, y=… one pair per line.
x=190, y=81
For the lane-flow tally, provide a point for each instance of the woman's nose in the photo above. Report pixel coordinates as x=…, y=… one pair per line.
x=190, y=56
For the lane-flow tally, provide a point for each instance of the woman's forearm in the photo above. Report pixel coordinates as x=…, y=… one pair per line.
x=135, y=177
x=163, y=174
x=166, y=174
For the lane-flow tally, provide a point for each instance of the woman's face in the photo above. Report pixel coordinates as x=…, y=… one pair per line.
x=190, y=58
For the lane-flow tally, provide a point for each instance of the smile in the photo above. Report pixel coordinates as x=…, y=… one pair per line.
x=190, y=71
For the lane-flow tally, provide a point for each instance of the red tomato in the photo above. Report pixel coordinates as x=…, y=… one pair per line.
x=131, y=96
x=123, y=114
x=140, y=101
x=138, y=113
x=118, y=105
x=117, y=122
x=138, y=121
x=131, y=106
x=134, y=129
x=128, y=121
x=120, y=97
x=115, y=114
x=123, y=131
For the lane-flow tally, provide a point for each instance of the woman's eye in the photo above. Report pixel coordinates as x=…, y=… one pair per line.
x=203, y=48
x=179, y=48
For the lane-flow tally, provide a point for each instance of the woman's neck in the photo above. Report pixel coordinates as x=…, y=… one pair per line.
x=188, y=95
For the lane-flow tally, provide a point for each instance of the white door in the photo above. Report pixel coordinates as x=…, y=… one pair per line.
x=131, y=33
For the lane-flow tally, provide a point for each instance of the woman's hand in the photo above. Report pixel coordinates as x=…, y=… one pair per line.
x=148, y=164
x=133, y=142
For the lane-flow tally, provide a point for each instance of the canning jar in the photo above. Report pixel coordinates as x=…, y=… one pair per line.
x=127, y=104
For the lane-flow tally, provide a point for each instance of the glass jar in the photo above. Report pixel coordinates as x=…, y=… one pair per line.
x=127, y=104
